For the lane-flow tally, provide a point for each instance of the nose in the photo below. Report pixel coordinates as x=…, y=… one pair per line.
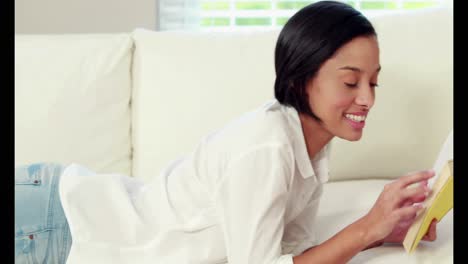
x=365, y=97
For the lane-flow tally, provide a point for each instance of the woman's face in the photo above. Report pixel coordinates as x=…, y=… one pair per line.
x=342, y=92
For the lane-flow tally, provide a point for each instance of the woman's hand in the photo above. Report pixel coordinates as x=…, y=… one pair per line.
x=399, y=232
x=397, y=206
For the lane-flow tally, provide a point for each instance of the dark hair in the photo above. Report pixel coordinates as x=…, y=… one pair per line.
x=307, y=40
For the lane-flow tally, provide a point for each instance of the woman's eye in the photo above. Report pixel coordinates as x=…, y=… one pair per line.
x=351, y=85
x=374, y=85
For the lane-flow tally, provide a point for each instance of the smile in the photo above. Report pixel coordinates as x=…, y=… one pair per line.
x=356, y=118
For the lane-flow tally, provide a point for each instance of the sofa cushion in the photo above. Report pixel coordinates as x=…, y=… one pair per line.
x=72, y=95
x=188, y=84
x=346, y=201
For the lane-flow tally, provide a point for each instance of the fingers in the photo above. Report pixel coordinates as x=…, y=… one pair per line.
x=409, y=179
x=415, y=194
x=423, y=183
x=407, y=203
x=431, y=234
x=415, y=199
x=408, y=212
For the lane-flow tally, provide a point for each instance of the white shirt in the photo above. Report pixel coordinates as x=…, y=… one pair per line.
x=248, y=193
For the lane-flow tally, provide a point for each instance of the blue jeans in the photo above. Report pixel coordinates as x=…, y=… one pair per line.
x=41, y=229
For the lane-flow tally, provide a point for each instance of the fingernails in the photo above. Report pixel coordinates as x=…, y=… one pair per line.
x=428, y=192
x=421, y=208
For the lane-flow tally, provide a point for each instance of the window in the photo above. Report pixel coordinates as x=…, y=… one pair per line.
x=223, y=15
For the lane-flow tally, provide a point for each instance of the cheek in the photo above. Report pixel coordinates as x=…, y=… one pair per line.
x=342, y=102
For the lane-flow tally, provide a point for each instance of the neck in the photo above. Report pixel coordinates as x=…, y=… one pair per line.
x=315, y=135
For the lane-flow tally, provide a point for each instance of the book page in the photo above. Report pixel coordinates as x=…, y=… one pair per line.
x=445, y=154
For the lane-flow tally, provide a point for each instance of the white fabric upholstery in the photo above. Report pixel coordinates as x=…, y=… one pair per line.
x=346, y=201
x=72, y=95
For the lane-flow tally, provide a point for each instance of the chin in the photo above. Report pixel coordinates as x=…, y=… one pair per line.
x=354, y=136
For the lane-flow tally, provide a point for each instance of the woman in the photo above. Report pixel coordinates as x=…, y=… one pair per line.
x=249, y=192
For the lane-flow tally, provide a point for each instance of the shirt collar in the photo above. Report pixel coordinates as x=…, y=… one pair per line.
x=303, y=161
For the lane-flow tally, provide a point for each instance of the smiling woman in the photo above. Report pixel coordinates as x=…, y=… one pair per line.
x=249, y=192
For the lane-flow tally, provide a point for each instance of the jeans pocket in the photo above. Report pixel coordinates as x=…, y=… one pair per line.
x=32, y=248
x=29, y=174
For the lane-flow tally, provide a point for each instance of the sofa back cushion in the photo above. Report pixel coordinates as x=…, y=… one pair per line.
x=72, y=95
x=188, y=84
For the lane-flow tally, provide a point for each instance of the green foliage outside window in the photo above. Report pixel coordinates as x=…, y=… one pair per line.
x=231, y=12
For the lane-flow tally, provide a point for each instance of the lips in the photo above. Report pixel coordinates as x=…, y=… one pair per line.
x=356, y=120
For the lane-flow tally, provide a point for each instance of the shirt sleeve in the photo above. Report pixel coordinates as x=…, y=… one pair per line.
x=300, y=233
x=251, y=199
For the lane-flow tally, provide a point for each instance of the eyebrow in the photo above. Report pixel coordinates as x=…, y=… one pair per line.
x=351, y=68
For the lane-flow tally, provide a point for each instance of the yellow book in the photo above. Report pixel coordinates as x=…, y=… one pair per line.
x=437, y=205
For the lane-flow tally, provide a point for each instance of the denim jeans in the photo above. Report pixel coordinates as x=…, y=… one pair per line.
x=41, y=229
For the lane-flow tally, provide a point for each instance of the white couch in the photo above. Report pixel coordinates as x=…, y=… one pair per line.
x=129, y=103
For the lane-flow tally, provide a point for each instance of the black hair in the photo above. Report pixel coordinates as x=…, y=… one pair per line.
x=307, y=40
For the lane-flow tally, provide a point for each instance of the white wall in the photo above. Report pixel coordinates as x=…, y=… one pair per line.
x=83, y=16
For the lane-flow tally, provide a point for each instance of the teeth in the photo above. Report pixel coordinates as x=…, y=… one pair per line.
x=356, y=118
